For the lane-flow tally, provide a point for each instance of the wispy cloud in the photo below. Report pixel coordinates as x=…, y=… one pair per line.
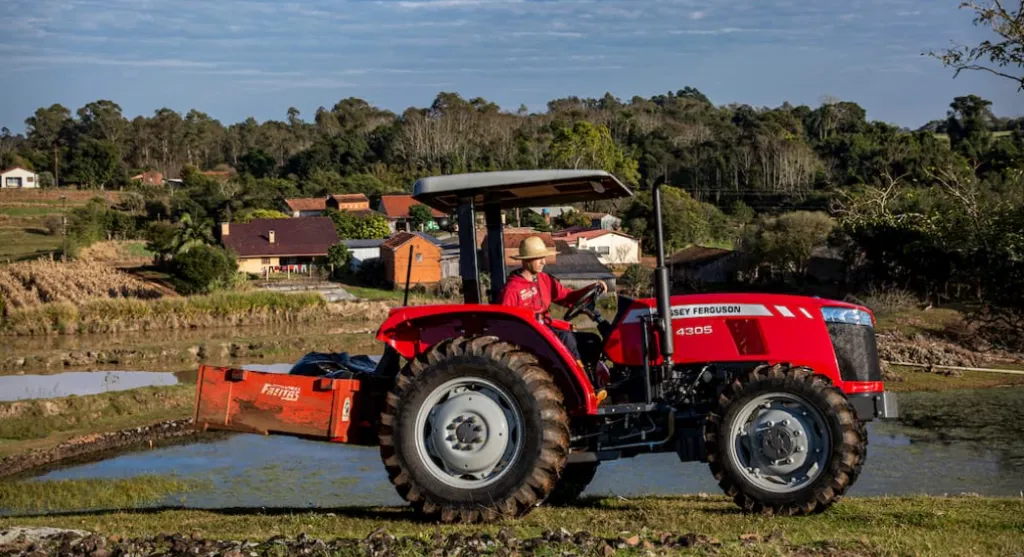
x=443, y=4
x=699, y=14
x=102, y=61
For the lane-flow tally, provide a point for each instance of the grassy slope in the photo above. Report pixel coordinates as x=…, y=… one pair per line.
x=861, y=526
x=38, y=424
x=38, y=497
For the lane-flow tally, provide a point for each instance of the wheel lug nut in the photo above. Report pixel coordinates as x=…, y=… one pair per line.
x=785, y=423
x=798, y=450
x=789, y=461
x=769, y=423
x=450, y=438
x=796, y=433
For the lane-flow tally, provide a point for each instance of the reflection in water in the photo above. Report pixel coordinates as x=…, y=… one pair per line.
x=258, y=471
x=22, y=387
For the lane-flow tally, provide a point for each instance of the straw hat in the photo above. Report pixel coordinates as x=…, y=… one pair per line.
x=533, y=248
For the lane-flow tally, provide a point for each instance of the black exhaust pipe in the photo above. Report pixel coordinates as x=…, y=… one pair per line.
x=661, y=282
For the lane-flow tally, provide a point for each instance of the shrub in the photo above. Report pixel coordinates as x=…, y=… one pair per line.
x=54, y=224
x=203, y=269
x=637, y=280
x=339, y=257
x=450, y=287
x=887, y=301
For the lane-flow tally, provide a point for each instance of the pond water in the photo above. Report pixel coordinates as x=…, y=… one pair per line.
x=257, y=471
x=23, y=387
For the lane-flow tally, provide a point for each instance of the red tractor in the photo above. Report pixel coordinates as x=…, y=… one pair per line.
x=480, y=412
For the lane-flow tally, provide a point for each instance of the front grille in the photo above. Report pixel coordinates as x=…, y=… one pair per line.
x=856, y=352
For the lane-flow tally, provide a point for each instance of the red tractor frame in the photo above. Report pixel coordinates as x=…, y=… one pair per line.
x=480, y=412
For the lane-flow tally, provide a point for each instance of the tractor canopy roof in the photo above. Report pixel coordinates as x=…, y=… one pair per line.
x=518, y=188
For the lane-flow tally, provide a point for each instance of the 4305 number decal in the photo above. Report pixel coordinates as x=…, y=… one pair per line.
x=687, y=331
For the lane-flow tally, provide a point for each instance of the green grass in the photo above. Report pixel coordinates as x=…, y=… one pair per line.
x=918, y=321
x=56, y=495
x=385, y=295
x=856, y=526
x=25, y=243
x=29, y=211
x=918, y=380
x=36, y=424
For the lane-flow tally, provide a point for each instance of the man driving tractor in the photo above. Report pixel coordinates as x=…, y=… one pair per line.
x=530, y=287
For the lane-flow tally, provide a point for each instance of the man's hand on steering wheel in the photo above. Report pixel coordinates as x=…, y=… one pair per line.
x=587, y=302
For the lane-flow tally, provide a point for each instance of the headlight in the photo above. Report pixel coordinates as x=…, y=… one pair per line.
x=846, y=315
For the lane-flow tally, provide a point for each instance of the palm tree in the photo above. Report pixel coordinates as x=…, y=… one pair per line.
x=191, y=233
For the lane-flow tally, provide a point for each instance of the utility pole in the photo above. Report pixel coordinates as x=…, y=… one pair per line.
x=64, y=225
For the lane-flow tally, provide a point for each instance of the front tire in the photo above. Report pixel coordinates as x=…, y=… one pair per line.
x=783, y=440
x=574, y=481
x=474, y=430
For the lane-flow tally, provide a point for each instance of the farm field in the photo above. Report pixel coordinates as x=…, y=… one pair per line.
x=23, y=214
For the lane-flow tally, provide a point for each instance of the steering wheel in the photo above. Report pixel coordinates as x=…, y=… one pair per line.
x=586, y=304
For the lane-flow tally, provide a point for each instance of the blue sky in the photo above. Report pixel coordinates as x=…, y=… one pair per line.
x=239, y=58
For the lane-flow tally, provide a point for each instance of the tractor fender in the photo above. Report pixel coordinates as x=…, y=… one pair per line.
x=412, y=331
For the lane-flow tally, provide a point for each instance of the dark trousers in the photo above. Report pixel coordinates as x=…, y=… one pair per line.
x=568, y=338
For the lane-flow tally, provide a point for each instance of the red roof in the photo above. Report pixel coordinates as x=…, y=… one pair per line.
x=397, y=206
x=307, y=204
x=303, y=236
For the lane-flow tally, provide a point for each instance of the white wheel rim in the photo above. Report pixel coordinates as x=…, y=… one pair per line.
x=779, y=443
x=469, y=432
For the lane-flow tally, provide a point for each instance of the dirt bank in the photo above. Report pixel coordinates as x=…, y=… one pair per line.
x=85, y=445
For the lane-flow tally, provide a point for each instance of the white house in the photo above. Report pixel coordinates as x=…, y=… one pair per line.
x=612, y=247
x=604, y=220
x=362, y=250
x=18, y=177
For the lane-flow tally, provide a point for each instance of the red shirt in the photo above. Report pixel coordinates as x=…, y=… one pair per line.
x=537, y=294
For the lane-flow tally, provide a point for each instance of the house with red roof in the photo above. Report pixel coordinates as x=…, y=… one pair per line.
x=611, y=246
x=317, y=206
x=396, y=209
x=279, y=245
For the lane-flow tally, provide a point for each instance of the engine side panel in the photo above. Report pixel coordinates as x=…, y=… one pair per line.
x=748, y=328
x=412, y=331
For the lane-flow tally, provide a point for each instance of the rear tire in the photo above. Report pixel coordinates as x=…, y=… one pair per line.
x=574, y=481
x=802, y=464
x=435, y=424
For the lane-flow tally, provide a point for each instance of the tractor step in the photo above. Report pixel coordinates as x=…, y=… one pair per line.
x=630, y=408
